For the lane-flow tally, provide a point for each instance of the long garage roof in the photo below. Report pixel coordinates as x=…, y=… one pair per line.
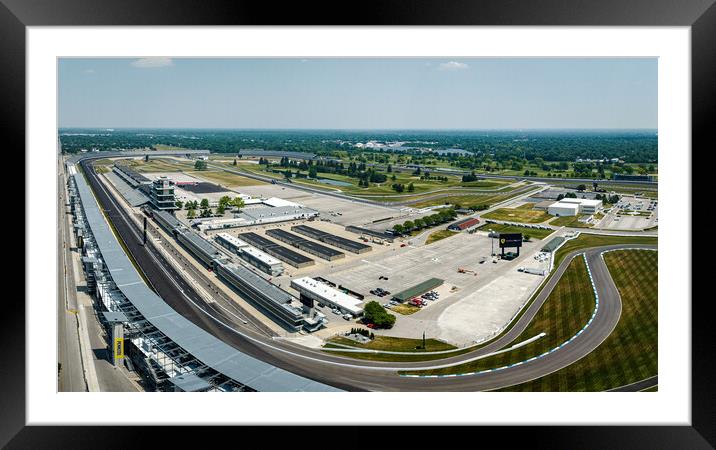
x=419, y=289
x=203, y=346
x=133, y=196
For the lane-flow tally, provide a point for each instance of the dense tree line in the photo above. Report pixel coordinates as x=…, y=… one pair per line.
x=509, y=148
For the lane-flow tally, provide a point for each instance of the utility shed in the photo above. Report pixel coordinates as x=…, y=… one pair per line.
x=553, y=244
x=418, y=289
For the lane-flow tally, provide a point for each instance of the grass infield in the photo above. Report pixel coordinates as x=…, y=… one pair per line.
x=438, y=235
x=629, y=354
x=398, y=345
x=524, y=213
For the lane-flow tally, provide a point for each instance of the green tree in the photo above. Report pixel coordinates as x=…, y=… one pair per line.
x=408, y=225
x=411, y=187
x=220, y=210
x=376, y=314
x=398, y=228
x=191, y=214
x=225, y=201
x=200, y=165
x=179, y=204
x=238, y=203
x=204, y=203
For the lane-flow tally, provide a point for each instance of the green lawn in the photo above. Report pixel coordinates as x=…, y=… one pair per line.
x=466, y=200
x=563, y=314
x=225, y=178
x=160, y=165
x=398, y=345
x=570, y=221
x=630, y=353
x=385, y=192
x=438, y=235
x=525, y=213
x=405, y=309
x=534, y=233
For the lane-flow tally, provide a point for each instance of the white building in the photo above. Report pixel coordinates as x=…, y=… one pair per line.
x=561, y=209
x=325, y=294
x=586, y=206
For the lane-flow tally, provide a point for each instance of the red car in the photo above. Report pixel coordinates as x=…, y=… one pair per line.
x=403, y=245
x=371, y=325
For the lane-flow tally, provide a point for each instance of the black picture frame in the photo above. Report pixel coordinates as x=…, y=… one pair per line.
x=700, y=15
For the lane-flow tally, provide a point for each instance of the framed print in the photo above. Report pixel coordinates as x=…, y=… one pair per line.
x=359, y=215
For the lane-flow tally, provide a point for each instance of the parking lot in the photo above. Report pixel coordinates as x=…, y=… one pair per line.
x=632, y=213
x=471, y=305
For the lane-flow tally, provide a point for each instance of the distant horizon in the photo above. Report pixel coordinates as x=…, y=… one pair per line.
x=358, y=93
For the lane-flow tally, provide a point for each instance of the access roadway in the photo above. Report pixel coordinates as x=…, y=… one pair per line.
x=366, y=375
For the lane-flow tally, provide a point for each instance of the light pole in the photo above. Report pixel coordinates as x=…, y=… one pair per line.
x=492, y=242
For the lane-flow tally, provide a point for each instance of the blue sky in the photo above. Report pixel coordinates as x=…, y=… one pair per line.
x=445, y=93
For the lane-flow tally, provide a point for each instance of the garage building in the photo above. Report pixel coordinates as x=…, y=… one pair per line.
x=561, y=209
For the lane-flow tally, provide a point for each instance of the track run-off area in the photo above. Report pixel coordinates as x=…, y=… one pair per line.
x=358, y=375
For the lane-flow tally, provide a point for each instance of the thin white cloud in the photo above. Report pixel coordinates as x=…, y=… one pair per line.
x=452, y=66
x=151, y=63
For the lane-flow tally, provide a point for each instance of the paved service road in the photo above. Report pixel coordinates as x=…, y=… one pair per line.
x=71, y=377
x=353, y=374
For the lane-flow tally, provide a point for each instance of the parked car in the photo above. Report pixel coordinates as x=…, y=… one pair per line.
x=347, y=316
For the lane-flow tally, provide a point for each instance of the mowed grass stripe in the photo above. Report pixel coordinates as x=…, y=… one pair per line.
x=630, y=353
x=563, y=314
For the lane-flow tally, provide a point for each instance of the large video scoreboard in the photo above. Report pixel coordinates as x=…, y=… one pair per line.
x=510, y=240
